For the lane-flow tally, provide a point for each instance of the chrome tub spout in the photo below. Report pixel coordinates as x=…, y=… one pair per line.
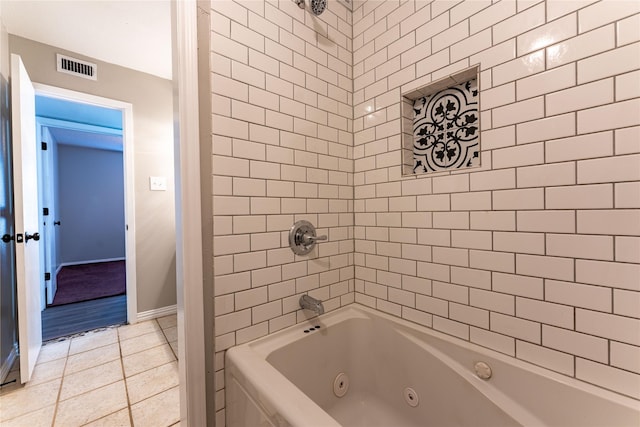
x=310, y=303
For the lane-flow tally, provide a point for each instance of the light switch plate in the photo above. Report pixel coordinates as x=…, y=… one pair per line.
x=158, y=183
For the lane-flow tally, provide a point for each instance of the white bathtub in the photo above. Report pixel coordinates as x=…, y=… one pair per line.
x=288, y=379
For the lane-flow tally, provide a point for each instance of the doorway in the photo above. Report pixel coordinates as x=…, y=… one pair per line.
x=81, y=191
x=87, y=254
x=190, y=286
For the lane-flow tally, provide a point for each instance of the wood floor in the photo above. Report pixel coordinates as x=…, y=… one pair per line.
x=63, y=320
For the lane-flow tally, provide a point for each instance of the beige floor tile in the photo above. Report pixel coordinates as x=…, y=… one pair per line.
x=142, y=342
x=129, y=331
x=152, y=382
x=12, y=381
x=47, y=371
x=91, y=406
x=171, y=333
x=91, y=379
x=161, y=410
x=117, y=419
x=168, y=321
x=53, y=350
x=174, y=347
x=40, y=417
x=28, y=399
x=92, y=391
x=148, y=359
x=91, y=358
x=92, y=340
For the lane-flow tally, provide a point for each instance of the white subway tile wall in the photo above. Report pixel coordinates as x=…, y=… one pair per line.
x=536, y=254
x=282, y=130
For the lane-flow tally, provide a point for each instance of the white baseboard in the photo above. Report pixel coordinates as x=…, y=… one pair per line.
x=8, y=364
x=158, y=312
x=92, y=261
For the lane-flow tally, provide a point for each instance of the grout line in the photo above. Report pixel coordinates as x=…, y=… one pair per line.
x=57, y=403
x=124, y=379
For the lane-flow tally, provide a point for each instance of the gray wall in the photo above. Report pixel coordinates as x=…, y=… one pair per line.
x=153, y=156
x=91, y=204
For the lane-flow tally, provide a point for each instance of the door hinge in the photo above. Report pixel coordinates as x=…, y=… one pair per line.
x=44, y=146
x=47, y=276
x=45, y=211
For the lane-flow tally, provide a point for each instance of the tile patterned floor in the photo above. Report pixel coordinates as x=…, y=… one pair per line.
x=120, y=376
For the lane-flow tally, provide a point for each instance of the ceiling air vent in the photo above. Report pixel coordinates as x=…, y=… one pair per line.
x=77, y=67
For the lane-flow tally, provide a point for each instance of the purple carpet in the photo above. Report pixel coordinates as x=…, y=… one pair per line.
x=90, y=281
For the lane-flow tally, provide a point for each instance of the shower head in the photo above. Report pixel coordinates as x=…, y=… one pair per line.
x=317, y=6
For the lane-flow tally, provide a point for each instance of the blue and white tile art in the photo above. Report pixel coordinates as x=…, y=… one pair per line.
x=446, y=129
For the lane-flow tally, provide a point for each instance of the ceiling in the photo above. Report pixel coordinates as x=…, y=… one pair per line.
x=131, y=33
x=100, y=141
x=86, y=114
x=134, y=34
x=84, y=125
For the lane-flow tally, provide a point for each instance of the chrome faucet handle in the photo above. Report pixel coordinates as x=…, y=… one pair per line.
x=308, y=238
x=302, y=237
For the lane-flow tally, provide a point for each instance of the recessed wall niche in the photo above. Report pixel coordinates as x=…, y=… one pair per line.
x=441, y=125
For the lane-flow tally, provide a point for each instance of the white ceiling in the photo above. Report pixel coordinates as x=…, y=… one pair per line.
x=100, y=141
x=132, y=33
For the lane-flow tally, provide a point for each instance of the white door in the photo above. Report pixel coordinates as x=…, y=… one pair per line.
x=25, y=189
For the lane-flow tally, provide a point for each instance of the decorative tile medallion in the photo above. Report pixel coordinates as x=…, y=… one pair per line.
x=446, y=129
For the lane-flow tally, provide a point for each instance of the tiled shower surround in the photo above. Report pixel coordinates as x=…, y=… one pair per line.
x=535, y=254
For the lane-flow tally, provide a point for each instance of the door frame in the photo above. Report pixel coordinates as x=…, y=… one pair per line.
x=129, y=184
x=46, y=161
x=197, y=402
x=45, y=191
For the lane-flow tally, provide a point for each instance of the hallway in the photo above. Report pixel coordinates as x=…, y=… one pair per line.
x=124, y=376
